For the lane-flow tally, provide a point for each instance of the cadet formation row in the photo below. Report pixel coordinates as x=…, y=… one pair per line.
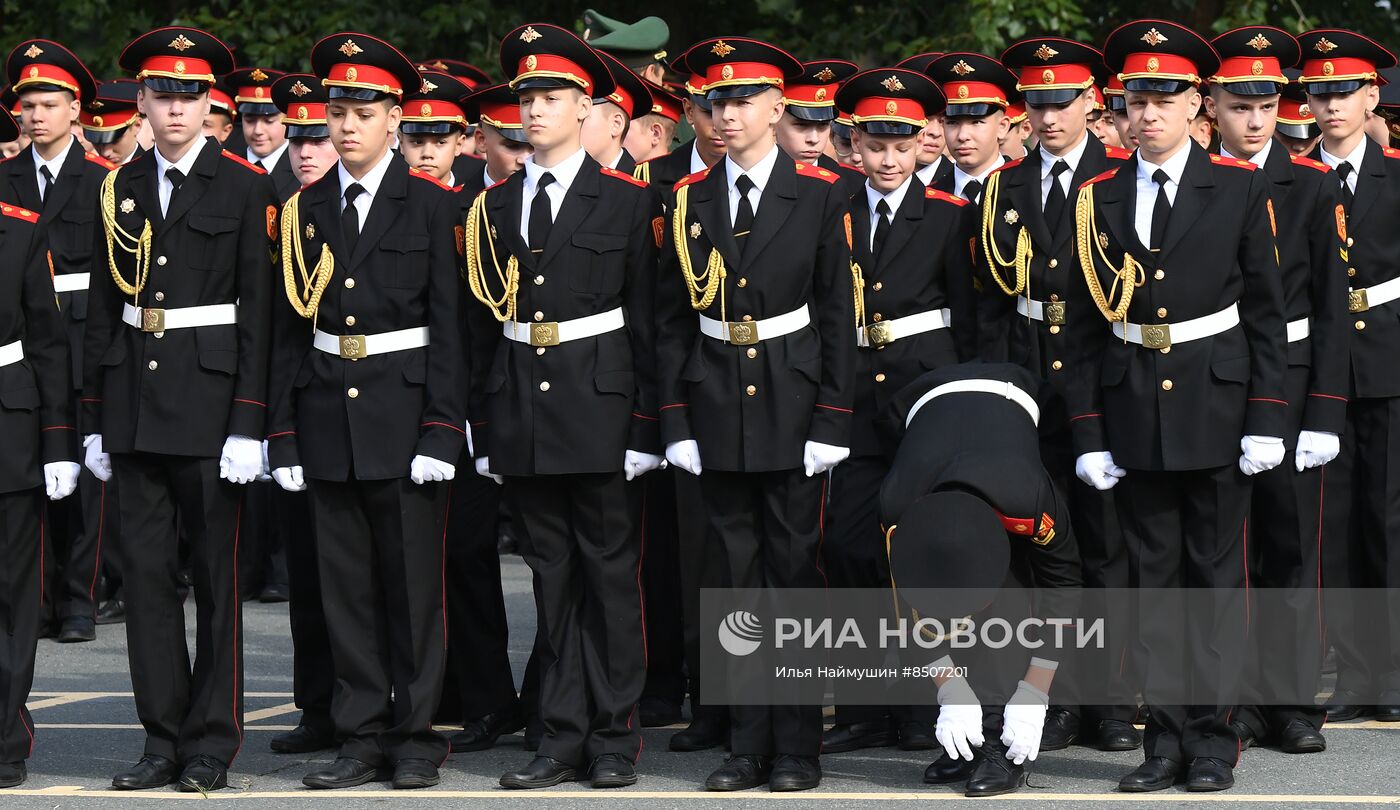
x=407, y=276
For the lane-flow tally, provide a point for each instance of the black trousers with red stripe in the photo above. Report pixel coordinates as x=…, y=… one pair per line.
x=768, y=528
x=1186, y=529
x=79, y=528
x=22, y=541
x=186, y=712
x=578, y=534
x=380, y=548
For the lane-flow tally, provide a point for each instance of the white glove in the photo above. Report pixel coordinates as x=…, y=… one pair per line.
x=1260, y=453
x=1316, y=448
x=959, y=727
x=483, y=467
x=471, y=448
x=425, y=469
x=817, y=458
x=684, y=454
x=637, y=464
x=1022, y=723
x=265, y=474
x=291, y=479
x=60, y=479
x=241, y=460
x=97, y=462
x=1098, y=470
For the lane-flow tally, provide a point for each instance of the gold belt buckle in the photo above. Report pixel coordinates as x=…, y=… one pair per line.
x=1055, y=313
x=879, y=334
x=352, y=347
x=152, y=320
x=545, y=333
x=742, y=333
x=1357, y=301
x=1157, y=336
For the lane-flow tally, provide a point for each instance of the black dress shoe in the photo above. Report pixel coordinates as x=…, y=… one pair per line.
x=1300, y=738
x=345, y=772
x=112, y=611
x=656, y=712
x=542, y=772
x=534, y=733
x=1209, y=773
x=410, y=774
x=77, y=629
x=274, y=593
x=12, y=774
x=302, y=740
x=1060, y=731
x=916, y=737
x=482, y=733
x=1116, y=735
x=151, y=772
x=1345, y=705
x=1387, y=708
x=945, y=770
x=792, y=772
x=612, y=771
x=740, y=773
x=708, y=729
x=1157, y=773
x=994, y=774
x=855, y=736
x=202, y=774
x=1246, y=734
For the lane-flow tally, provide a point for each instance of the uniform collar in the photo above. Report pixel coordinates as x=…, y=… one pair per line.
x=1071, y=159
x=1174, y=167
x=894, y=199
x=564, y=173
x=1355, y=158
x=926, y=173
x=370, y=182
x=185, y=164
x=271, y=160
x=697, y=163
x=759, y=174
x=1259, y=158
x=55, y=165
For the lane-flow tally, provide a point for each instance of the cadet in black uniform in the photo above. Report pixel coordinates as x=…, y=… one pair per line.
x=433, y=126
x=914, y=311
x=979, y=92
x=36, y=427
x=111, y=122
x=804, y=131
x=611, y=117
x=1186, y=390
x=1286, y=512
x=563, y=255
x=264, y=133
x=176, y=389
x=55, y=178
x=755, y=318
x=695, y=155
x=934, y=163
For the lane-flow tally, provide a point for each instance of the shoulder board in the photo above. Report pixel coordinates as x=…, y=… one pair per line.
x=611, y=172
x=1117, y=153
x=658, y=157
x=1302, y=160
x=99, y=160
x=497, y=184
x=808, y=170
x=1391, y=153
x=16, y=212
x=850, y=167
x=691, y=178
x=1010, y=164
x=236, y=159
x=934, y=194
x=1236, y=162
x=421, y=175
x=1103, y=176
x=458, y=189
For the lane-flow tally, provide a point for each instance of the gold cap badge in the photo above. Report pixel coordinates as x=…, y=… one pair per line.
x=721, y=49
x=1154, y=37
x=182, y=43
x=349, y=48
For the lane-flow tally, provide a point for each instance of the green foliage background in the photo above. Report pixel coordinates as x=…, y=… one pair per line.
x=279, y=33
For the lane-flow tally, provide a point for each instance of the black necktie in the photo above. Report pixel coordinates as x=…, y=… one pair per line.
x=1344, y=171
x=260, y=165
x=743, y=217
x=541, y=215
x=882, y=228
x=973, y=191
x=176, y=178
x=1055, y=201
x=1161, y=210
x=350, y=217
x=48, y=182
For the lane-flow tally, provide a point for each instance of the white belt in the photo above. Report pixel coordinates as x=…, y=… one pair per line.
x=1367, y=297
x=999, y=387
x=1052, y=312
x=70, y=282
x=884, y=333
x=1298, y=330
x=356, y=347
x=11, y=353
x=150, y=319
x=1163, y=335
x=745, y=333
x=552, y=333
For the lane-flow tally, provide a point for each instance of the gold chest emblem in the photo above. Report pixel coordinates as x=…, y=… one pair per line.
x=128, y=205
x=310, y=231
x=694, y=230
x=1012, y=217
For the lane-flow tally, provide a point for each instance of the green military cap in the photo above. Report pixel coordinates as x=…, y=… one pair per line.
x=644, y=39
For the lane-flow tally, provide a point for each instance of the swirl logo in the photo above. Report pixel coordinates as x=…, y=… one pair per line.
x=740, y=633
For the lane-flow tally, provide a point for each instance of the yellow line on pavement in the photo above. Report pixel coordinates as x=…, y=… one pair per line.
x=271, y=711
x=61, y=700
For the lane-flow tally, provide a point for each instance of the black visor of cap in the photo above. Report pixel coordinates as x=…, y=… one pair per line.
x=100, y=136
x=839, y=130
x=545, y=83
x=699, y=100
x=1332, y=88
x=1252, y=88
x=311, y=133
x=895, y=128
x=45, y=88
x=161, y=84
x=429, y=127
x=1301, y=132
x=1117, y=104
x=1169, y=86
x=516, y=134
x=357, y=93
x=814, y=114
x=971, y=110
x=1052, y=98
x=252, y=108
x=736, y=91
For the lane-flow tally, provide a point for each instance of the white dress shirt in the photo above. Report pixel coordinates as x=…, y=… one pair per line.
x=962, y=178
x=1259, y=157
x=370, y=183
x=564, y=173
x=894, y=199
x=697, y=163
x=55, y=166
x=759, y=174
x=1354, y=159
x=486, y=177
x=1147, y=189
x=1071, y=159
x=926, y=174
x=271, y=160
x=185, y=165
